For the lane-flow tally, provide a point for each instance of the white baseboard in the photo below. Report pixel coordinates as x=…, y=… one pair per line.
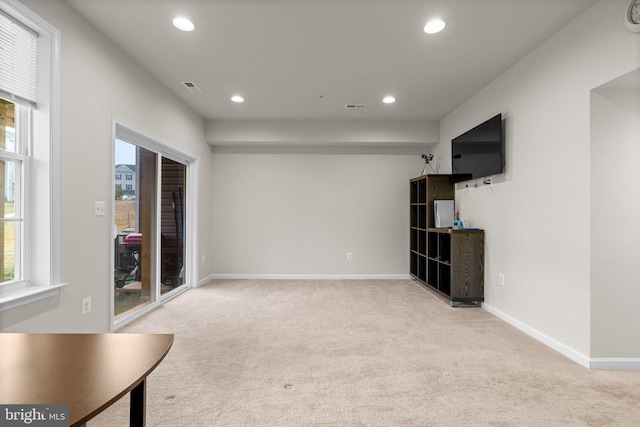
x=310, y=276
x=561, y=348
x=205, y=280
x=611, y=363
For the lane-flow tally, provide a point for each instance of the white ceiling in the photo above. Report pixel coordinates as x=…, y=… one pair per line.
x=306, y=59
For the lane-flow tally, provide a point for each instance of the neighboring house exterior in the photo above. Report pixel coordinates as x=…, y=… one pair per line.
x=126, y=179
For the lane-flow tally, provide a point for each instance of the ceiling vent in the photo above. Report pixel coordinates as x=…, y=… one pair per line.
x=355, y=106
x=192, y=87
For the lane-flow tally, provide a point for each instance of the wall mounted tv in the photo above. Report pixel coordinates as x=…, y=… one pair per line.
x=478, y=152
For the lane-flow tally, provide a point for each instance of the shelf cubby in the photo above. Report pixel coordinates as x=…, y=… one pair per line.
x=422, y=216
x=422, y=242
x=414, y=239
x=422, y=191
x=414, y=264
x=432, y=275
x=414, y=215
x=444, y=278
x=414, y=192
x=422, y=268
x=444, y=247
x=432, y=249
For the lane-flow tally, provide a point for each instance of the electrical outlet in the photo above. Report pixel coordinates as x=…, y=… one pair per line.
x=501, y=279
x=86, y=305
x=349, y=256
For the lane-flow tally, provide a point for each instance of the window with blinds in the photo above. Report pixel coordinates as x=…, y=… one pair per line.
x=18, y=59
x=18, y=64
x=29, y=129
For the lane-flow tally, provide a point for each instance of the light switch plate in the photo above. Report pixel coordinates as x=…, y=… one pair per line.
x=99, y=208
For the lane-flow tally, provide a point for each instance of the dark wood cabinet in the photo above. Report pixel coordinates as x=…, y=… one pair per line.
x=450, y=261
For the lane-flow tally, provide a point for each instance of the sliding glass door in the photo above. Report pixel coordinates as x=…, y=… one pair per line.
x=150, y=225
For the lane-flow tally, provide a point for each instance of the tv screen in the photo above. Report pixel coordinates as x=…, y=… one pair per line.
x=479, y=152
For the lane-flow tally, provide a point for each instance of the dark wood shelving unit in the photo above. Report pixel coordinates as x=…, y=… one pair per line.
x=449, y=261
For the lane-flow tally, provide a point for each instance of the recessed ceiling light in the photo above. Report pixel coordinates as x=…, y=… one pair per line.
x=183, y=24
x=434, y=26
x=237, y=98
x=389, y=99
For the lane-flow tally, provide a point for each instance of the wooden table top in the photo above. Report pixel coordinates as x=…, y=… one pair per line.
x=89, y=372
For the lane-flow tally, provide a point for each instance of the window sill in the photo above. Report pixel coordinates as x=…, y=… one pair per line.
x=16, y=297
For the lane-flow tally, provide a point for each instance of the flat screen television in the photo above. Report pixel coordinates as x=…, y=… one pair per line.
x=478, y=152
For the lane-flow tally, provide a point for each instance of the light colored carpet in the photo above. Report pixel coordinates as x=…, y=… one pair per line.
x=361, y=353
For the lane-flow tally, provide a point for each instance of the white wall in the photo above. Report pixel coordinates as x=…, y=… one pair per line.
x=537, y=215
x=321, y=132
x=98, y=82
x=299, y=214
x=615, y=225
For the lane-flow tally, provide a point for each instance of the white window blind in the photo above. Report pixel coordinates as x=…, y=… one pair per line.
x=18, y=50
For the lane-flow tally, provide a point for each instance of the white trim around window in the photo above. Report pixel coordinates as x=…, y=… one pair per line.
x=42, y=254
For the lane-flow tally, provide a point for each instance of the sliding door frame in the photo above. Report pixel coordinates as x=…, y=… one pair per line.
x=134, y=135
